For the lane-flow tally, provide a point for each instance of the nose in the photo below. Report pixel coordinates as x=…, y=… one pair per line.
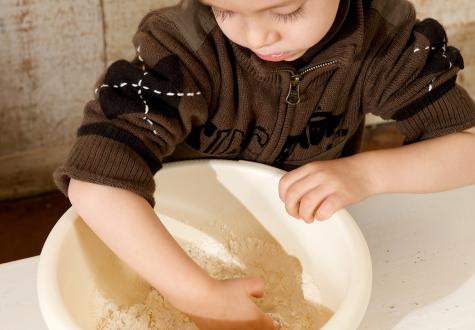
x=259, y=35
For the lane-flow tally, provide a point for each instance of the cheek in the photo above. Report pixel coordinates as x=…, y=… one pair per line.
x=299, y=37
x=318, y=31
x=231, y=31
x=320, y=26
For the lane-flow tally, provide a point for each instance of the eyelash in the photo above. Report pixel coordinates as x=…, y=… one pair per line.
x=285, y=18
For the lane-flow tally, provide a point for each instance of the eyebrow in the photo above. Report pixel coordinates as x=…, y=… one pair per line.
x=283, y=4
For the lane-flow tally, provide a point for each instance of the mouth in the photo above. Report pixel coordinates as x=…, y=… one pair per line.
x=274, y=57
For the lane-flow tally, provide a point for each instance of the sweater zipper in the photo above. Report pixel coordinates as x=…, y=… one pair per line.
x=293, y=97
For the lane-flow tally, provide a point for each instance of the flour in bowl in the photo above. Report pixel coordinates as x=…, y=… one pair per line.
x=290, y=295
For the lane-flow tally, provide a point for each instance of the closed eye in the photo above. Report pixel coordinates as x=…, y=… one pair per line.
x=290, y=17
x=222, y=15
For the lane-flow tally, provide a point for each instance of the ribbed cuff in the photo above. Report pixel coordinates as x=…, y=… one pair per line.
x=101, y=160
x=450, y=113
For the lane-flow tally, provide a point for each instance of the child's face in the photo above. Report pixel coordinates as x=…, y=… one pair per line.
x=275, y=30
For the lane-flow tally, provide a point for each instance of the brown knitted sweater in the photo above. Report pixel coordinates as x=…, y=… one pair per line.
x=192, y=93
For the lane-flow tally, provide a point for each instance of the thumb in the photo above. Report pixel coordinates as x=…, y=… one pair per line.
x=253, y=286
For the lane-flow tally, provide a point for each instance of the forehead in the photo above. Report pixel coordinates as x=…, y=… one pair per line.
x=249, y=6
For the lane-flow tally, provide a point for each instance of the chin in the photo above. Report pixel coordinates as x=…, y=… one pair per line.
x=296, y=56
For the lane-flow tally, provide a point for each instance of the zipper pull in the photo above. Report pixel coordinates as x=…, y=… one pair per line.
x=293, y=97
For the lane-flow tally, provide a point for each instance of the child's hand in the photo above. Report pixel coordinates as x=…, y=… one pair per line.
x=228, y=306
x=319, y=189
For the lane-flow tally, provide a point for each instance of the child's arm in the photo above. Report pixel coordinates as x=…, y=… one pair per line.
x=432, y=165
x=128, y=225
x=319, y=189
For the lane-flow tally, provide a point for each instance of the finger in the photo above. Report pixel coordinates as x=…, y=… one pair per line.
x=329, y=206
x=311, y=201
x=295, y=193
x=289, y=178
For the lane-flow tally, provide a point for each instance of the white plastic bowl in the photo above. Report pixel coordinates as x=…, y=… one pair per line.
x=74, y=262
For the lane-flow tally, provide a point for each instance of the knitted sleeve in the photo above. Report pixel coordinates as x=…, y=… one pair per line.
x=142, y=109
x=412, y=80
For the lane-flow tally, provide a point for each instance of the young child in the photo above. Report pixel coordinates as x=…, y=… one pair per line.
x=281, y=82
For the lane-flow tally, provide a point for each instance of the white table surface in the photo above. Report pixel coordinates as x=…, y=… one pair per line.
x=423, y=254
x=19, y=309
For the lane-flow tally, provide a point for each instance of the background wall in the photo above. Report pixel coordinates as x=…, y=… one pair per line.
x=52, y=51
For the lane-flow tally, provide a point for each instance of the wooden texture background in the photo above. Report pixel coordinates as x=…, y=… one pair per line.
x=52, y=52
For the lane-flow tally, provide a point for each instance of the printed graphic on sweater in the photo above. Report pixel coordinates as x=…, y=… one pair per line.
x=320, y=125
x=211, y=140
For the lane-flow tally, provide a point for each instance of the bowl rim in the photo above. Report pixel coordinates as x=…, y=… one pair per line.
x=54, y=312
